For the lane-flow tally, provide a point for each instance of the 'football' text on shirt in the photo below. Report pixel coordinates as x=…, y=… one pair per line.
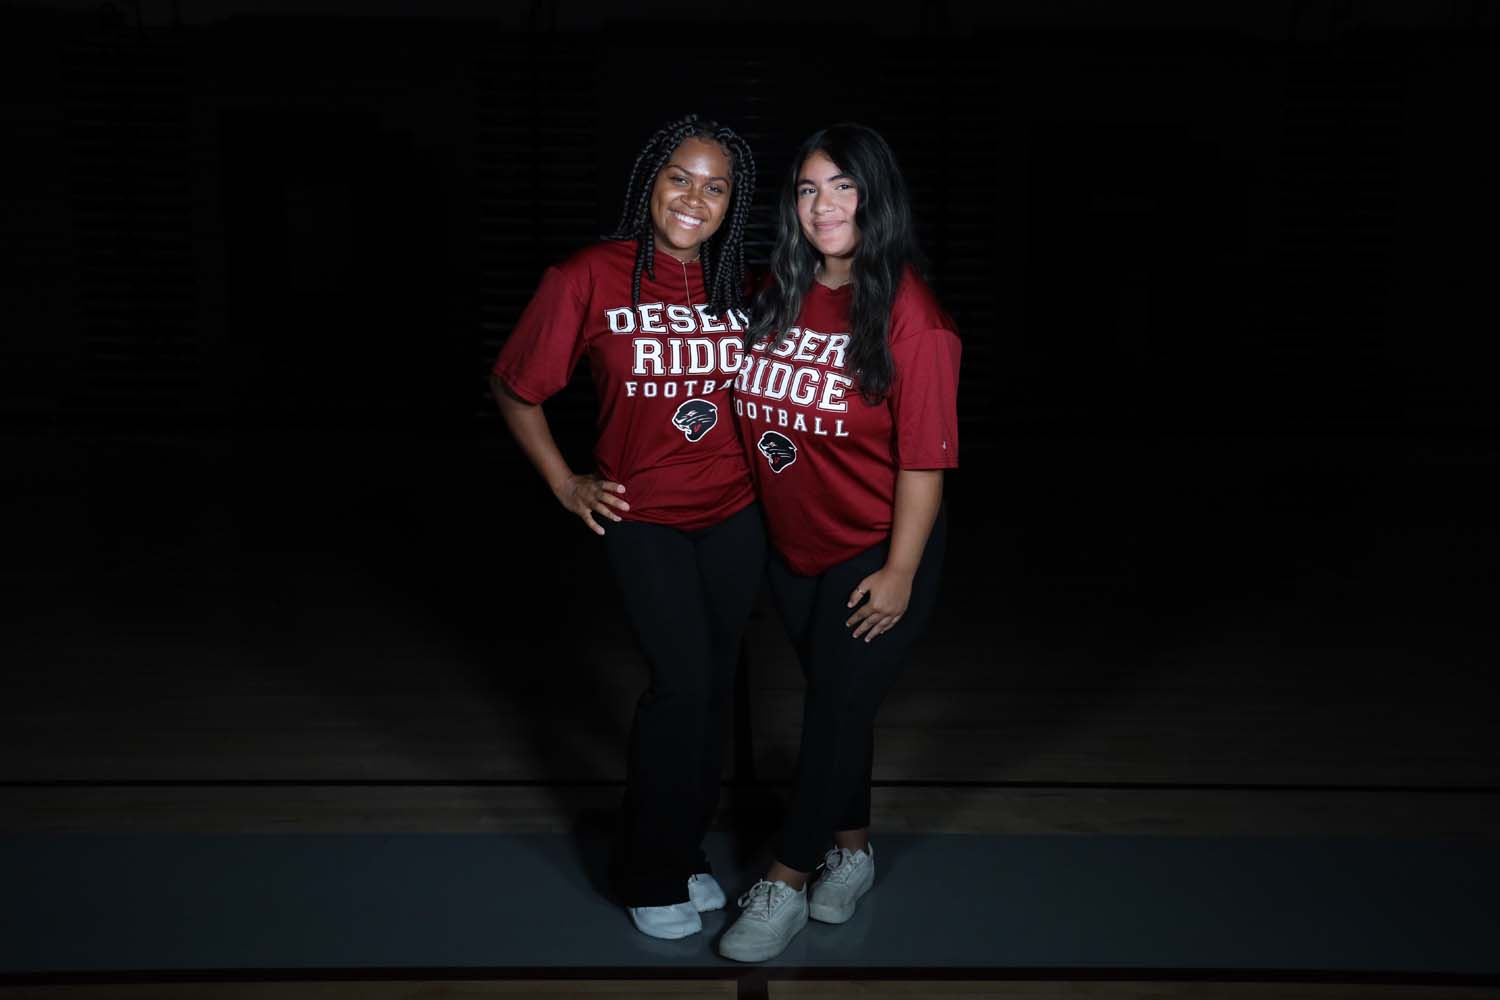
x=770, y=378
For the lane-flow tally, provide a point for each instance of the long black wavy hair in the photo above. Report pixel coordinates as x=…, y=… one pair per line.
x=887, y=246
x=722, y=254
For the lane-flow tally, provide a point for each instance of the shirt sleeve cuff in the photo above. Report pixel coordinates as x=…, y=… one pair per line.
x=517, y=387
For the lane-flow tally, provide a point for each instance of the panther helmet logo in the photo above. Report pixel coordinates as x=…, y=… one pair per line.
x=696, y=418
x=778, y=449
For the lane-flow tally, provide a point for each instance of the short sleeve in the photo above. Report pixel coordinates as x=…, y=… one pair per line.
x=924, y=399
x=541, y=352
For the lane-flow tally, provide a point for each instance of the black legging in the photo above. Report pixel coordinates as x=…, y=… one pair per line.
x=847, y=679
x=688, y=595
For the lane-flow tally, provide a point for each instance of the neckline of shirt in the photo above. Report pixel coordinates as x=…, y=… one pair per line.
x=660, y=253
x=843, y=289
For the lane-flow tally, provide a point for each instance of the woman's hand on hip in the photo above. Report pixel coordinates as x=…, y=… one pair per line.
x=888, y=591
x=589, y=494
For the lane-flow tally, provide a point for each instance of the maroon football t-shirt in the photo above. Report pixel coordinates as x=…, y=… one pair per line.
x=825, y=460
x=661, y=369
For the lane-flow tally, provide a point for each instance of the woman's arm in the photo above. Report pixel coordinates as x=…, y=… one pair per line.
x=919, y=492
x=584, y=495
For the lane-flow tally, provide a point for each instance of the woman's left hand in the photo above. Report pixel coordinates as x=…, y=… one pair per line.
x=889, y=591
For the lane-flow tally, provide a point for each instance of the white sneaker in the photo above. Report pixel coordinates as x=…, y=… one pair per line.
x=771, y=914
x=847, y=875
x=705, y=893
x=668, y=922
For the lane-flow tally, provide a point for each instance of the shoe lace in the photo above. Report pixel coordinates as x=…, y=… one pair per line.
x=750, y=900
x=834, y=867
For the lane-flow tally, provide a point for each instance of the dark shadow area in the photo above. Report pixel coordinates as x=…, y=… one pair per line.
x=452, y=608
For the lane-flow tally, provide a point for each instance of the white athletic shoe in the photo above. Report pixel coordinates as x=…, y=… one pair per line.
x=771, y=914
x=847, y=875
x=705, y=893
x=667, y=922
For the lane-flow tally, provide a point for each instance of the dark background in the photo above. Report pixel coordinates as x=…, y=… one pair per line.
x=1223, y=272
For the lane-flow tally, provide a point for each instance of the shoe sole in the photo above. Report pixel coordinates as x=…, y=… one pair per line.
x=825, y=914
x=687, y=931
x=757, y=956
x=668, y=937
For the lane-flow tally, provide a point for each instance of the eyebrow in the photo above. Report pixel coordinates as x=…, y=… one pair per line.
x=835, y=177
x=715, y=177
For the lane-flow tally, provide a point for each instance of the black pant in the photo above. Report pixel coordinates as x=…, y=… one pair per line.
x=688, y=595
x=847, y=679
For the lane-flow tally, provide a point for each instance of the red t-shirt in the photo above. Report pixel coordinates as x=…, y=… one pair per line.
x=661, y=370
x=825, y=461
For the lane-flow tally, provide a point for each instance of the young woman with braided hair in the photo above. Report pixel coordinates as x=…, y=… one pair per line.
x=657, y=307
x=849, y=408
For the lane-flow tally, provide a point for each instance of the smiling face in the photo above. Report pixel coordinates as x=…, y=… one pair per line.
x=690, y=197
x=826, y=202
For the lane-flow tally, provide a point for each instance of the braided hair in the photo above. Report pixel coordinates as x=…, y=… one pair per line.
x=722, y=254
